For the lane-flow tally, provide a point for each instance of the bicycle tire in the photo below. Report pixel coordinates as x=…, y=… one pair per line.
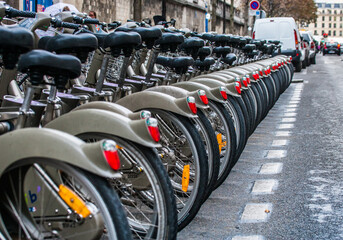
x=156, y=196
x=92, y=189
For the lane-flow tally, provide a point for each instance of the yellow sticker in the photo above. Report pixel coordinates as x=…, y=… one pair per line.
x=220, y=141
x=73, y=201
x=185, y=178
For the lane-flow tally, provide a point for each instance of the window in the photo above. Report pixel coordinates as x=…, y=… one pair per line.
x=334, y=25
x=335, y=12
x=336, y=5
x=329, y=33
x=323, y=32
x=323, y=25
x=329, y=25
x=340, y=33
x=315, y=25
x=323, y=18
x=330, y=18
x=341, y=18
x=327, y=5
x=320, y=5
x=334, y=33
x=340, y=25
x=315, y=32
x=334, y=18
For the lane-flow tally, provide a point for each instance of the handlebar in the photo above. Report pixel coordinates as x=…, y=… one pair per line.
x=80, y=20
x=12, y=12
x=59, y=23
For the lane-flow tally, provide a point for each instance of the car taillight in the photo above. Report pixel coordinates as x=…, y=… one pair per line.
x=304, y=45
x=338, y=46
x=222, y=91
x=109, y=148
x=290, y=58
x=191, y=104
x=325, y=46
x=145, y=114
x=152, y=125
x=253, y=35
x=238, y=87
x=296, y=38
x=313, y=45
x=248, y=78
x=203, y=97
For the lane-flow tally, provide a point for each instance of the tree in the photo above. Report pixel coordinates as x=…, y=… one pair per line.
x=304, y=11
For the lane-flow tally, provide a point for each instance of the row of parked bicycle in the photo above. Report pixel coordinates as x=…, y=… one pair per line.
x=122, y=134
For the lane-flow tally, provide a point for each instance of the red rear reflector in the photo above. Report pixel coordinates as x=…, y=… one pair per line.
x=223, y=92
x=248, y=79
x=291, y=58
x=203, y=97
x=191, y=104
x=238, y=87
x=261, y=73
x=245, y=82
x=111, y=154
x=153, y=129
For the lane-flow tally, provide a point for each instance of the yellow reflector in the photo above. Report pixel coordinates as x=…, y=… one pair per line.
x=185, y=178
x=221, y=143
x=119, y=147
x=73, y=201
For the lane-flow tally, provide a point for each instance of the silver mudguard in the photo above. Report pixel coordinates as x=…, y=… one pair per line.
x=42, y=143
x=156, y=100
x=178, y=93
x=212, y=83
x=101, y=121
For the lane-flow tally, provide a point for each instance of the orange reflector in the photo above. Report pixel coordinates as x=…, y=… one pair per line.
x=185, y=178
x=73, y=201
x=220, y=141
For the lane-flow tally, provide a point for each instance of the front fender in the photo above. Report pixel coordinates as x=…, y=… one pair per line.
x=101, y=121
x=211, y=93
x=156, y=100
x=35, y=143
x=213, y=83
x=178, y=93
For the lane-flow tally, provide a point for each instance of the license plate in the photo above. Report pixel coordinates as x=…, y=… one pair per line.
x=331, y=51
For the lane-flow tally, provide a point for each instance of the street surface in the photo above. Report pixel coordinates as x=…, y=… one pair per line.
x=288, y=181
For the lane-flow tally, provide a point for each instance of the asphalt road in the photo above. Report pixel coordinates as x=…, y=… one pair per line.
x=288, y=181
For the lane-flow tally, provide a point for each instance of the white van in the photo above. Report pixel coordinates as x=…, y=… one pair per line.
x=284, y=30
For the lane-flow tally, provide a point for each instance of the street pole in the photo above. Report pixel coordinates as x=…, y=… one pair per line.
x=164, y=9
x=224, y=17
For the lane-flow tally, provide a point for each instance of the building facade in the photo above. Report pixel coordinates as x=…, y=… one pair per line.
x=188, y=13
x=329, y=20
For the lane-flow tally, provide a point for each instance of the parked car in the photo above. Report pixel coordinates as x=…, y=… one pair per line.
x=285, y=30
x=332, y=47
x=341, y=47
x=306, y=47
x=307, y=37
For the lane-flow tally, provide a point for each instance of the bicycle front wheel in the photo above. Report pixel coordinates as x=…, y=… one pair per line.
x=48, y=199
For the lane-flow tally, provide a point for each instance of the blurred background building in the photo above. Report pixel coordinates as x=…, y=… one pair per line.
x=230, y=16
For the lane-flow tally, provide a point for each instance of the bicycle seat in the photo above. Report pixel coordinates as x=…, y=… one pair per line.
x=101, y=38
x=42, y=43
x=204, y=65
x=41, y=62
x=208, y=36
x=179, y=64
x=230, y=58
x=249, y=47
x=204, y=52
x=192, y=45
x=122, y=42
x=256, y=42
x=242, y=41
x=253, y=53
x=221, y=51
x=148, y=35
x=13, y=42
x=164, y=61
x=80, y=44
x=170, y=41
x=221, y=39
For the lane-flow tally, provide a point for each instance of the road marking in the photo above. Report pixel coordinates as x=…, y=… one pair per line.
x=271, y=168
x=295, y=98
x=251, y=237
x=283, y=134
x=292, y=106
x=288, y=120
x=266, y=186
x=294, y=102
x=290, y=114
x=290, y=109
x=256, y=212
x=297, y=80
x=286, y=126
x=276, y=154
x=282, y=142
